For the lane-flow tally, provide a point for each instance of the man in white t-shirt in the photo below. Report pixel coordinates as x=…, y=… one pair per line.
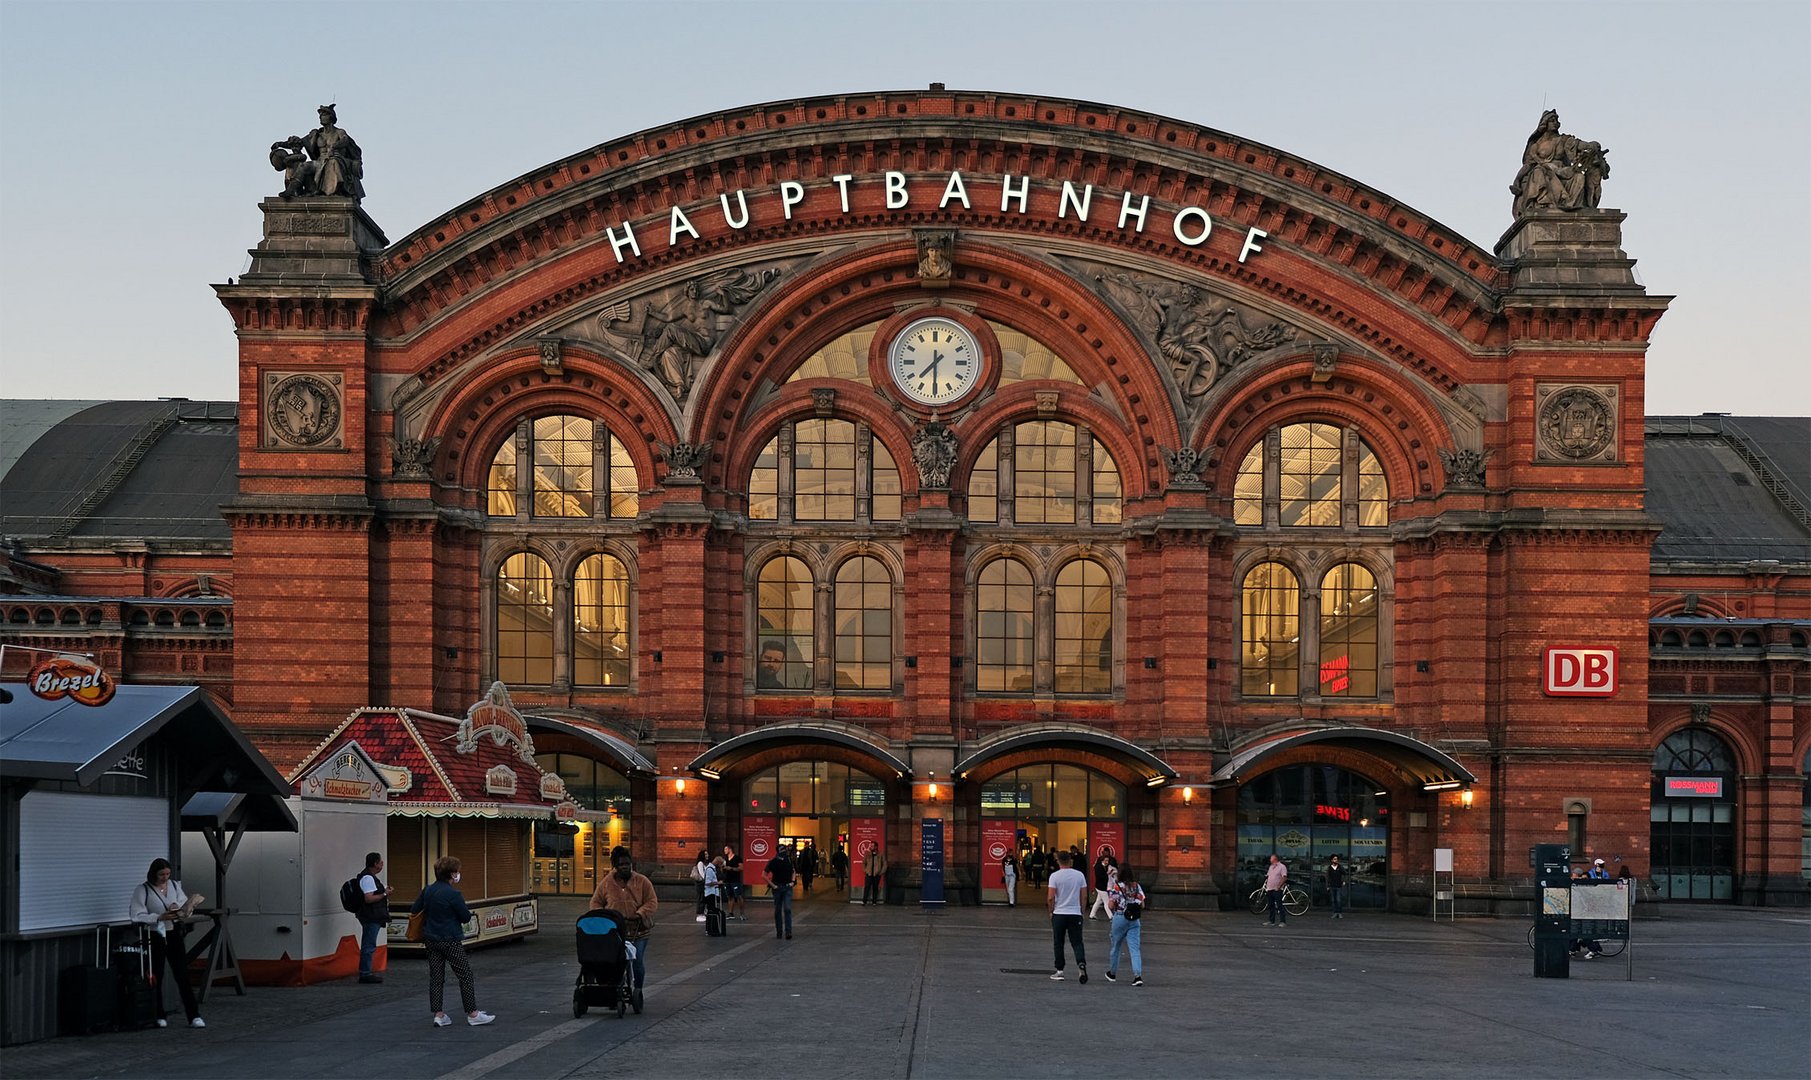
x=374, y=917
x=1065, y=898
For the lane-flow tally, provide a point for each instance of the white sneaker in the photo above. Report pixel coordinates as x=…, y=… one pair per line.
x=443, y=1020
x=198, y=1022
x=480, y=1019
x=1056, y=977
x=161, y=1022
x=700, y=918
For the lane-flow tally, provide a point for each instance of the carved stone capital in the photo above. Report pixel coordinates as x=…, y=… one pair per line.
x=551, y=358
x=1326, y=358
x=1185, y=466
x=683, y=460
x=1047, y=401
x=413, y=459
x=1700, y=712
x=823, y=401
x=1464, y=468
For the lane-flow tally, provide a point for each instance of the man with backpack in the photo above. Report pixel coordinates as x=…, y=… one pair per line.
x=367, y=897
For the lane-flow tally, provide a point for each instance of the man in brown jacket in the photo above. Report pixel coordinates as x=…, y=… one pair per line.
x=623, y=890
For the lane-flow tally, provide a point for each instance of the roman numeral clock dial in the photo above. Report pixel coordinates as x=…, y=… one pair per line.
x=935, y=361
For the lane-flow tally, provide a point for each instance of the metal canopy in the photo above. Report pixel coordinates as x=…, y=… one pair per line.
x=1157, y=771
x=609, y=745
x=221, y=810
x=732, y=750
x=1411, y=757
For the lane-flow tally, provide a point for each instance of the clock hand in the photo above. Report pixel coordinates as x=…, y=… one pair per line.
x=936, y=358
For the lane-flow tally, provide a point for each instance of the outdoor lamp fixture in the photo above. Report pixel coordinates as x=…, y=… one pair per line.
x=1441, y=785
x=1157, y=781
x=710, y=774
x=679, y=787
x=1465, y=798
x=1188, y=795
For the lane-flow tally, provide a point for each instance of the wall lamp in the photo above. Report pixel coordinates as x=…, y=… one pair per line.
x=1465, y=798
x=1188, y=795
x=933, y=790
x=679, y=787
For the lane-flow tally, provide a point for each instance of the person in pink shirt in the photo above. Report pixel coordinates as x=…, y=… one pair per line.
x=1274, y=879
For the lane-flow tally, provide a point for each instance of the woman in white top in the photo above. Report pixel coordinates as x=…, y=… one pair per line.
x=159, y=905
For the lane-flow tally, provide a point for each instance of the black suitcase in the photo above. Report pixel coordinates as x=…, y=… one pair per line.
x=137, y=993
x=716, y=923
x=88, y=994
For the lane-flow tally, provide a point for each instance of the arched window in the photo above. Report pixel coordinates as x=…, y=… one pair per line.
x=1270, y=632
x=864, y=625
x=1299, y=473
x=1348, y=664
x=1004, y=639
x=1084, y=629
x=834, y=471
x=1693, y=750
x=783, y=625
x=600, y=622
x=1692, y=810
x=525, y=620
x=568, y=454
x=1049, y=477
x=844, y=358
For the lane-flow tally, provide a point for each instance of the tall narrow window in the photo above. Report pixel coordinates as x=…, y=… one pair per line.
x=1310, y=473
x=1248, y=488
x=823, y=470
x=984, y=485
x=1003, y=628
x=884, y=485
x=1106, y=487
x=562, y=467
x=600, y=622
x=1270, y=634
x=525, y=620
x=864, y=625
x=783, y=625
x=764, y=483
x=502, y=481
x=1348, y=664
x=1084, y=629
x=1043, y=473
x=1373, y=489
x=625, y=486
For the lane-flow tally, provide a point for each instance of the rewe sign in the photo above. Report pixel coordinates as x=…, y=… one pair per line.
x=1578, y=672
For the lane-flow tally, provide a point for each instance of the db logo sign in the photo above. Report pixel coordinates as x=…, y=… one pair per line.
x=74, y=677
x=1578, y=672
x=996, y=850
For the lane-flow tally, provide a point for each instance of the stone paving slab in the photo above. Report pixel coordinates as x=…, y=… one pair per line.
x=900, y=992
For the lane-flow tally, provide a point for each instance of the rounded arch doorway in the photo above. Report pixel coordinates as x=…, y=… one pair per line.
x=826, y=814
x=1036, y=812
x=1306, y=814
x=1692, y=831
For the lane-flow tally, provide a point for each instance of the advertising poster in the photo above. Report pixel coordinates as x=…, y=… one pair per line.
x=865, y=835
x=760, y=840
x=1104, y=835
x=930, y=861
x=997, y=841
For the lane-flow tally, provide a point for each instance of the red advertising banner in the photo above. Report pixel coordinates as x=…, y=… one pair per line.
x=1104, y=834
x=865, y=835
x=997, y=836
x=760, y=841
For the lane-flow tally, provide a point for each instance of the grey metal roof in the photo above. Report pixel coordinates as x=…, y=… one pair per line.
x=1061, y=733
x=22, y=421
x=631, y=759
x=1730, y=489
x=154, y=470
x=65, y=740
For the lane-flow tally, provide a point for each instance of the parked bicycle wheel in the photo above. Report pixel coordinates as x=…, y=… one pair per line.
x=1295, y=902
x=1257, y=901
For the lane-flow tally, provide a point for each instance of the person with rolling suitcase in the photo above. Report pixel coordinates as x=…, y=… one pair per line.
x=137, y=991
x=159, y=905
x=716, y=921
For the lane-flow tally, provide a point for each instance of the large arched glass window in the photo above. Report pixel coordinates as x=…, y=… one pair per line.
x=783, y=625
x=600, y=622
x=1049, y=477
x=1270, y=632
x=1348, y=664
x=1692, y=812
x=1004, y=639
x=568, y=454
x=1084, y=629
x=833, y=470
x=846, y=357
x=864, y=625
x=1299, y=473
x=525, y=620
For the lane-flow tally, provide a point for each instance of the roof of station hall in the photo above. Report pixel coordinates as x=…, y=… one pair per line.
x=1727, y=489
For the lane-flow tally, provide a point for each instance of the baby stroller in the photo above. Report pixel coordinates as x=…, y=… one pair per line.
x=604, y=965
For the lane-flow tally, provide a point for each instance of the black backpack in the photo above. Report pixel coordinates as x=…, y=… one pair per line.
x=1133, y=910
x=352, y=898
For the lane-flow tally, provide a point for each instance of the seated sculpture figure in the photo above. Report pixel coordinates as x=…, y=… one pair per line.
x=334, y=164
x=1559, y=171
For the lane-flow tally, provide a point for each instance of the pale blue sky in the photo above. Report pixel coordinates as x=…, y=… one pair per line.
x=133, y=136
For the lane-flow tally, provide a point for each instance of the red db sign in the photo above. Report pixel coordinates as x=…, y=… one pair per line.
x=1578, y=672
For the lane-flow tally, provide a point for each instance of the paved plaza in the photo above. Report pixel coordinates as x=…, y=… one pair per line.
x=898, y=992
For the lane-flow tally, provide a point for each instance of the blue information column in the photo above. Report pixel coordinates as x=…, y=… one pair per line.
x=930, y=861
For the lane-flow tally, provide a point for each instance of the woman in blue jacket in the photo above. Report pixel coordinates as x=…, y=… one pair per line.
x=443, y=935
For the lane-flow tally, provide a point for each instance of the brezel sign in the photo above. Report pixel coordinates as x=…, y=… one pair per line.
x=1191, y=225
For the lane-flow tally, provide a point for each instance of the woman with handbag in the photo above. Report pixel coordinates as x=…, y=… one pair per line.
x=443, y=916
x=1125, y=904
x=159, y=905
x=699, y=873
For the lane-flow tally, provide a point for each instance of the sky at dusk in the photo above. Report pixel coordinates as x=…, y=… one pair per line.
x=133, y=137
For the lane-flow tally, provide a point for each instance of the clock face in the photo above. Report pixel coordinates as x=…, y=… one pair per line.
x=934, y=361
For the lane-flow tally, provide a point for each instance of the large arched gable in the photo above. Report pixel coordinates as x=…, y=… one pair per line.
x=545, y=241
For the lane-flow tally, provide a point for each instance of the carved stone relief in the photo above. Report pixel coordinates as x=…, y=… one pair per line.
x=673, y=332
x=1575, y=424
x=936, y=257
x=683, y=460
x=1185, y=466
x=303, y=411
x=412, y=459
x=934, y=453
x=1464, y=467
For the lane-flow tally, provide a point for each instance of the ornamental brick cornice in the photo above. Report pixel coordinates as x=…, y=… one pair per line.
x=310, y=314
x=1311, y=215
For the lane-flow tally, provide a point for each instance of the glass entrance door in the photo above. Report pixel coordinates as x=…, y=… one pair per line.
x=1306, y=814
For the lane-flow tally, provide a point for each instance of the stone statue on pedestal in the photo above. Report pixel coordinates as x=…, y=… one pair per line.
x=323, y=162
x=1559, y=171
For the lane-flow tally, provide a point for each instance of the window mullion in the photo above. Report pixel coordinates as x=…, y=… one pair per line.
x=1084, y=475
x=525, y=466
x=785, y=499
x=1005, y=502
x=1273, y=480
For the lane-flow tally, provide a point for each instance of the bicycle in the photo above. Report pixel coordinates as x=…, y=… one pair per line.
x=1295, y=901
x=1607, y=946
